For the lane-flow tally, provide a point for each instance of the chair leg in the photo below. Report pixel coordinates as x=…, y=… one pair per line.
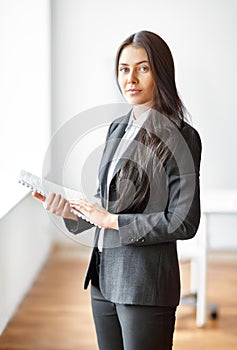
x=202, y=273
x=191, y=300
x=198, y=279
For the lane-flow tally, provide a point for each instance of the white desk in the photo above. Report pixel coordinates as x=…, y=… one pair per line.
x=223, y=201
x=220, y=201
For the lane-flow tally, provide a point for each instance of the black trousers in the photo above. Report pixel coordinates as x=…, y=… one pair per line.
x=131, y=327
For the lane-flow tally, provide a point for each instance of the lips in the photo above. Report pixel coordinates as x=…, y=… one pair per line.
x=133, y=91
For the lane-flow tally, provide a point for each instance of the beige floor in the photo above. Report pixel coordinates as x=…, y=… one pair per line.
x=56, y=314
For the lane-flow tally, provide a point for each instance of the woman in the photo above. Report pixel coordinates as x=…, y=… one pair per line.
x=149, y=191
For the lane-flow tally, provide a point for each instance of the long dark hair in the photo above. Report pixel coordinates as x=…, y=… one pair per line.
x=156, y=134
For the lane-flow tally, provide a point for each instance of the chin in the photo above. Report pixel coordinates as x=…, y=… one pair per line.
x=136, y=101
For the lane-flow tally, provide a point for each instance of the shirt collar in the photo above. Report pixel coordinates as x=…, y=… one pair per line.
x=139, y=121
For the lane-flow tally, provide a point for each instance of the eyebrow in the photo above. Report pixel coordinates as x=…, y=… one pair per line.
x=126, y=64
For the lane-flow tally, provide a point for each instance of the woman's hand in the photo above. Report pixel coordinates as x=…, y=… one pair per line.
x=56, y=204
x=95, y=213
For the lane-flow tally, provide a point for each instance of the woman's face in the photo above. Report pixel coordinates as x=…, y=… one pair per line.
x=135, y=77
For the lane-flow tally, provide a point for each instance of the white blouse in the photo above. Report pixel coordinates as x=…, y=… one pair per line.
x=131, y=131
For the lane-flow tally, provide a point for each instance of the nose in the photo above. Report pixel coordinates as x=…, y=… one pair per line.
x=132, y=77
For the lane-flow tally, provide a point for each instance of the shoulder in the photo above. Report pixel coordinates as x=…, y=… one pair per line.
x=190, y=134
x=120, y=121
x=193, y=140
x=189, y=146
x=186, y=149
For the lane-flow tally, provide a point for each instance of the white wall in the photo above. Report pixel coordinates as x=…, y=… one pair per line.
x=25, y=88
x=25, y=108
x=25, y=241
x=202, y=38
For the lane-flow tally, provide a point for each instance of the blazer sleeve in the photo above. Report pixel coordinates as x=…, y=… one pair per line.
x=180, y=219
x=78, y=226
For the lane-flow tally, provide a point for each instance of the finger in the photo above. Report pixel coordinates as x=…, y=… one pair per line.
x=49, y=199
x=62, y=203
x=84, y=208
x=80, y=207
x=66, y=209
x=52, y=202
x=78, y=201
x=75, y=206
x=74, y=201
x=81, y=202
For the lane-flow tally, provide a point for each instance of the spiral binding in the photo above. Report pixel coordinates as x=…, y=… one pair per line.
x=34, y=183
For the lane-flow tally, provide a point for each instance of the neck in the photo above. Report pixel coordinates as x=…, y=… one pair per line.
x=141, y=108
x=138, y=110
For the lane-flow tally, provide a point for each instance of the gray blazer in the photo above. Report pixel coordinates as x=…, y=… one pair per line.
x=139, y=263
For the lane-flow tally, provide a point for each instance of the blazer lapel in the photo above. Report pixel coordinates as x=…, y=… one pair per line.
x=111, y=145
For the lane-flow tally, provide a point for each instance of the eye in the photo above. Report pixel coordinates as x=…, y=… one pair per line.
x=144, y=68
x=124, y=70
